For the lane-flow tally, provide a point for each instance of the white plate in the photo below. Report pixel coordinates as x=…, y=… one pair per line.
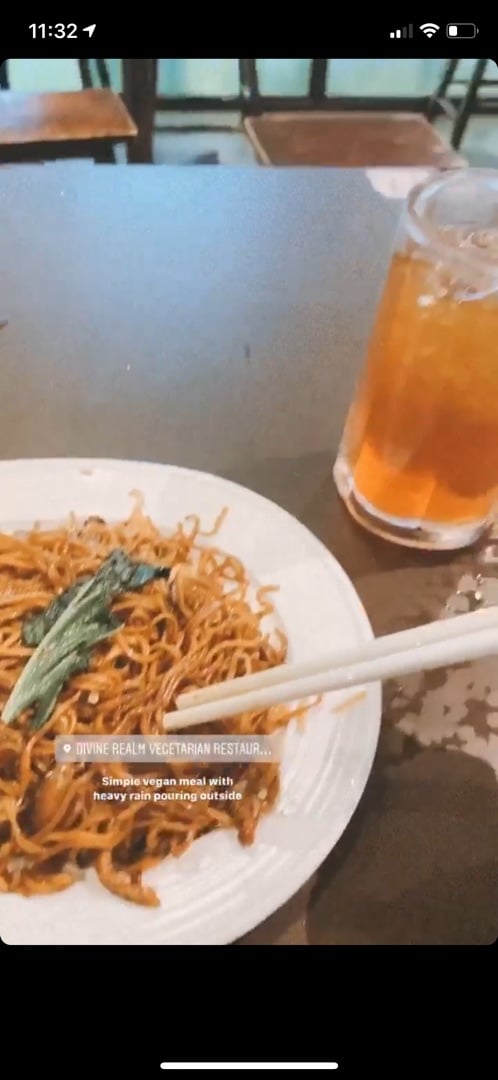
x=218, y=890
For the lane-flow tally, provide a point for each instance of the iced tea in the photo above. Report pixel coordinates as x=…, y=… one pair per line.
x=419, y=457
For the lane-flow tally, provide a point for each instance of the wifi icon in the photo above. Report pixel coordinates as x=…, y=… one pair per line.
x=429, y=29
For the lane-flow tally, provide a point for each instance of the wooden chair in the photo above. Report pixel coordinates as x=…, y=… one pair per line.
x=79, y=123
x=349, y=139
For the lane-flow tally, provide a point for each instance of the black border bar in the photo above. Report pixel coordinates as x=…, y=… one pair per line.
x=350, y=33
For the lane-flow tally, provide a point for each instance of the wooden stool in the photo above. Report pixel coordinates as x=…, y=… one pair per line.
x=345, y=139
x=79, y=123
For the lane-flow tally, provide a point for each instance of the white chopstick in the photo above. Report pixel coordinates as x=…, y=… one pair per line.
x=440, y=630
x=370, y=668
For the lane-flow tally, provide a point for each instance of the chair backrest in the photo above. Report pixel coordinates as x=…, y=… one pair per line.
x=317, y=95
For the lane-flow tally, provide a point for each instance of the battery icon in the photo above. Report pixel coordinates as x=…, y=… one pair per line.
x=461, y=30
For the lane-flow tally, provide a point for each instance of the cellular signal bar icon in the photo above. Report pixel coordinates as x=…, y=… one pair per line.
x=405, y=32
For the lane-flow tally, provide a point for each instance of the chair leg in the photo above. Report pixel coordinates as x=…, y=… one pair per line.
x=139, y=92
x=318, y=80
x=467, y=106
x=104, y=153
x=103, y=73
x=85, y=74
x=441, y=90
x=249, y=84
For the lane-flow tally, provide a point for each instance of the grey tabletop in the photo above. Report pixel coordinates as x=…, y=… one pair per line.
x=217, y=318
x=211, y=317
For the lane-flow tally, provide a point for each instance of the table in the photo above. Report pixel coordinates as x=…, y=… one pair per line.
x=216, y=318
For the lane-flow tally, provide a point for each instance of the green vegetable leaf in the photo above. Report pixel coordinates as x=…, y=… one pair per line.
x=36, y=626
x=64, y=634
x=49, y=691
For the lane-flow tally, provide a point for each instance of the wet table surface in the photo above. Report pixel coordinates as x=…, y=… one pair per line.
x=217, y=318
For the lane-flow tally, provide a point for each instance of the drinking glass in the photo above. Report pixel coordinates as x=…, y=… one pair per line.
x=418, y=461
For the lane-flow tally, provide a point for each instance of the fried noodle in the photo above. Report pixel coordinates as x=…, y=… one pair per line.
x=195, y=629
